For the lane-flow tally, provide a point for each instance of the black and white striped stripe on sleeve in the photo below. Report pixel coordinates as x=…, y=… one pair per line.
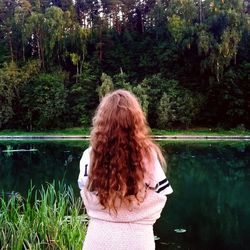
x=163, y=187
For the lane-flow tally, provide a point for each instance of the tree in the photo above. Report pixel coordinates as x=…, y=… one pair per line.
x=177, y=106
x=12, y=79
x=233, y=97
x=165, y=112
x=153, y=86
x=141, y=92
x=106, y=87
x=35, y=33
x=7, y=10
x=20, y=16
x=218, y=41
x=121, y=81
x=44, y=101
x=83, y=98
x=55, y=25
x=78, y=40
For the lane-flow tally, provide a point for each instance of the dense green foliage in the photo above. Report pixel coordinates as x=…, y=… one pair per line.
x=44, y=100
x=186, y=60
x=49, y=219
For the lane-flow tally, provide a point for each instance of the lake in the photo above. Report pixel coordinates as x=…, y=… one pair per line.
x=208, y=210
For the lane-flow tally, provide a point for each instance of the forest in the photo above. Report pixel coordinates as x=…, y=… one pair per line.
x=187, y=61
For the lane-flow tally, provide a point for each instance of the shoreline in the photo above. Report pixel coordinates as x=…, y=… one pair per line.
x=155, y=137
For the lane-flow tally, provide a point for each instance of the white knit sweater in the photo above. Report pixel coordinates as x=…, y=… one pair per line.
x=99, y=233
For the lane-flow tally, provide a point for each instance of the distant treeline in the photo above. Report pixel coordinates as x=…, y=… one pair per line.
x=188, y=61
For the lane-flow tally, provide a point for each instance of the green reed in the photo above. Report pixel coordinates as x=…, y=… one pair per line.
x=51, y=218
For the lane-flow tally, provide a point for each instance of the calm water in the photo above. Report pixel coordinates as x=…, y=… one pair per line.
x=211, y=185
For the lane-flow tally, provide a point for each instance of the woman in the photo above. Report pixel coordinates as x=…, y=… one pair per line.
x=122, y=183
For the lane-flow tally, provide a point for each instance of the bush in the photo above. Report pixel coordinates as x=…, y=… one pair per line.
x=44, y=101
x=177, y=107
x=83, y=98
x=106, y=87
x=12, y=78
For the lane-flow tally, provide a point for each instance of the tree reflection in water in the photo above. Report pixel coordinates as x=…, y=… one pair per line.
x=211, y=188
x=211, y=197
x=51, y=161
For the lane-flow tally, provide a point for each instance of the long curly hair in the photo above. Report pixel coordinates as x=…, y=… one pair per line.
x=121, y=145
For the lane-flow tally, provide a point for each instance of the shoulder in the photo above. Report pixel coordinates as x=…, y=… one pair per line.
x=157, y=179
x=85, y=155
x=84, y=168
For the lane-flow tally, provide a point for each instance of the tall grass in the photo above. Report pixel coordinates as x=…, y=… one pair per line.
x=47, y=219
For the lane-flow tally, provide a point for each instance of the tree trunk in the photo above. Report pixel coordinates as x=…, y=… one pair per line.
x=10, y=45
x=77, y=71
x=38, y=48
x=101, y=52
x=24, y=59
x=200, y=10
x=81, y=63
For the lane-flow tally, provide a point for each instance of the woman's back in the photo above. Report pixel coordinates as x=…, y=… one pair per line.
x=121, y=179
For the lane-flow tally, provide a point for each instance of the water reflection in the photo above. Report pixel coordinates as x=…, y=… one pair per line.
x=211, y=188
x=211, y=198
x=50, y=161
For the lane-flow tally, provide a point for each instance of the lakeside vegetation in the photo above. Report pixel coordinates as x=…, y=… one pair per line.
x=51, y=218
x=67, y=131
x=187, y=61
x=170, y=132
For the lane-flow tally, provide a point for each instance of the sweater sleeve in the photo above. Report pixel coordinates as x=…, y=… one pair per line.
x=158, y=180
x=84, y=169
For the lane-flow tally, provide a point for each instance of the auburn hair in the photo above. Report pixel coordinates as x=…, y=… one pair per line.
x=121, y=145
